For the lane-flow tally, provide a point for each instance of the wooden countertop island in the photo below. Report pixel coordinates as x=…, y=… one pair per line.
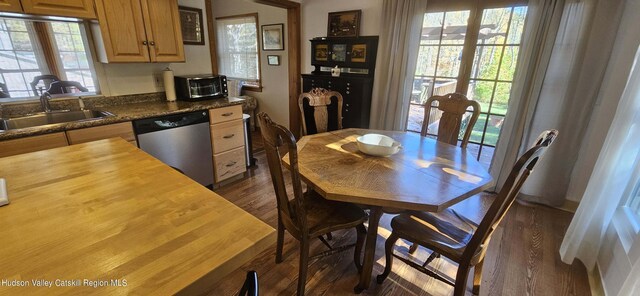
x=106, y=218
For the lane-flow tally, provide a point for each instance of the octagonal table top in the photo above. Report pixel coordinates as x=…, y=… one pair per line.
x=426, y=175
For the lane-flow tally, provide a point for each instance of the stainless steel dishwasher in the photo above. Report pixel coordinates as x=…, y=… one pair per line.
x=182, y=141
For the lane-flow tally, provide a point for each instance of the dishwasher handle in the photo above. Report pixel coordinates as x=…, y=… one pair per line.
x=149, y=125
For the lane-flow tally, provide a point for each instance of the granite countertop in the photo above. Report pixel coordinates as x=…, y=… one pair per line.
x=126, y=108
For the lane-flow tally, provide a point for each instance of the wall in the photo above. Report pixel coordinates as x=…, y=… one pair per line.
x=275, y=92
x=314, y=21
x=127, y=78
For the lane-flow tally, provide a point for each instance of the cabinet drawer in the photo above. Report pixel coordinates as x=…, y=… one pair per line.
x=229, y=164
x=226, y=136
x=225, y=114
x=123, y=130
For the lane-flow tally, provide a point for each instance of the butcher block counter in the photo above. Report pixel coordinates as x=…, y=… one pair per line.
x=106, y=218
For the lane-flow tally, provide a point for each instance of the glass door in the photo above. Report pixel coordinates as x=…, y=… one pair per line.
x=489, y=39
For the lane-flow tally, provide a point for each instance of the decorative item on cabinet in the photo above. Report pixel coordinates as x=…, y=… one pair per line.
x=344, y=23
x=355, y=60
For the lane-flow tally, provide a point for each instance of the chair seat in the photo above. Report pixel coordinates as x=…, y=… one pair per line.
x=445, y=232
x=324, y=216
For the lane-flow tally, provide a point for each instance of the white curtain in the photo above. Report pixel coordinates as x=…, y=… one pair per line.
x=565, y=53
x=618, y=159
x=237, y=44
x=401, y=25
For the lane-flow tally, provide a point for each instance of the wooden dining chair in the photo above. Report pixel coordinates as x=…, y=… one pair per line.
x=250, y=286
x=321, y=111
x=454, y=108
x=307, y=215
x=457, y=237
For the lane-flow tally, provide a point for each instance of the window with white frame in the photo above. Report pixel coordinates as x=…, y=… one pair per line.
x=23, y=56
x=634, y=201
x=72, y=52
x=237, y=46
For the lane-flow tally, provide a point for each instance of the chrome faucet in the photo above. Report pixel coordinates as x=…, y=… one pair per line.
x=44, y=101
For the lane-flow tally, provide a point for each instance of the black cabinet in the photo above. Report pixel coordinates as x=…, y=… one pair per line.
x=356, y=57
x=355, y=91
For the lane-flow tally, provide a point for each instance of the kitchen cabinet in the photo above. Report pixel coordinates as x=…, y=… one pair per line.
x=68, y=8
x=356, y=95
x=32, y=144
x=10, y=6
x=138, y=31
x=123, y=130
x=227, y=142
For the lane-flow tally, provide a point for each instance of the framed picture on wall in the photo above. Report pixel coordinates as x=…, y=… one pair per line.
x=344, y=23
x=272, y=37
x=273, y=60
x=192, y=26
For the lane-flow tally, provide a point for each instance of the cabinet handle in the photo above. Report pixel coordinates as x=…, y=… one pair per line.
x=348, y=92
x=145, y=43
x=227, y=114
x=231, y=164
x=152, y=43
x=229, y=136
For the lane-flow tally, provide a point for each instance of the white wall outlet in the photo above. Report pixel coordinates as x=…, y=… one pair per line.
x=158, y=80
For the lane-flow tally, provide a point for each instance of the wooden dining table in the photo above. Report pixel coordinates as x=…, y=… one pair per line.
x=426, y=175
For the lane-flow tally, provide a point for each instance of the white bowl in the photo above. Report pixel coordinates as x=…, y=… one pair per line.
x=378, y=145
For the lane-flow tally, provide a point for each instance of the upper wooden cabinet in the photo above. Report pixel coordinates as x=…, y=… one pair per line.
x=139, y=31
x=10, y=6
x=69, y=8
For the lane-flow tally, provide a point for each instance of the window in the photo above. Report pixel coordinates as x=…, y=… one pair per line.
x=634, y=202
x=72, y=52
x=491, y=52
x=238, y=55
x=33, y=48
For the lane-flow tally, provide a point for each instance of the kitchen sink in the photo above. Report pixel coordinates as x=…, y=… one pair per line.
x=53, y=117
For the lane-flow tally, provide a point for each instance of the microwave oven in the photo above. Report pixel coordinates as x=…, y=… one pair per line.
x=201, y=87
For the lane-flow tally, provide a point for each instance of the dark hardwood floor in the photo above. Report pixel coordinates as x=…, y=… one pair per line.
x=522, y=259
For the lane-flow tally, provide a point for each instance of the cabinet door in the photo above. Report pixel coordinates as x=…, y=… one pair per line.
x=122, y=29
x=10, y=6
x=32, y=144
x=162, y=23
x=123, y=130
x=68, y=8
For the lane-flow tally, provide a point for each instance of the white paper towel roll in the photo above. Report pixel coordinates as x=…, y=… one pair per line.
x=169, y=85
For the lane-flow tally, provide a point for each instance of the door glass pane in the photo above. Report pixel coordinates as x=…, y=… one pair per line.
x=449, y=61
x=427, y=56
x=517, y=25
x=501, y=98
x=509, y=60
x=481, y=91
x=494, y=26
x=486, y=62
x=478, y=129
x=493, y=130
x=455, y=28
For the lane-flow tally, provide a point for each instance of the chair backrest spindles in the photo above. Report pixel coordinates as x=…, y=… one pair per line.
x=453, y=107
